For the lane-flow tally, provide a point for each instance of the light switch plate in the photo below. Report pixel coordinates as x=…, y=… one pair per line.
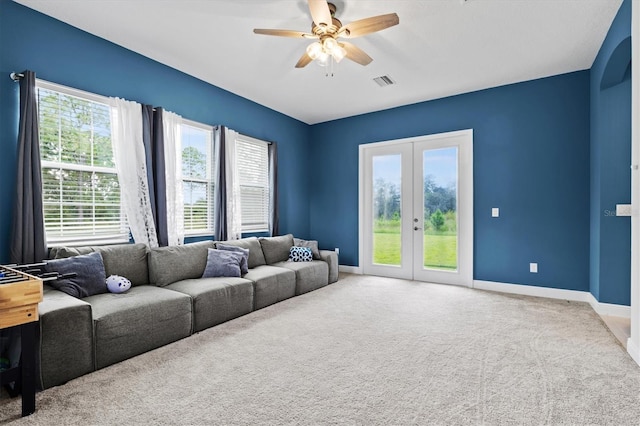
x=533, y=268
x=623, y=209
x=495, y=212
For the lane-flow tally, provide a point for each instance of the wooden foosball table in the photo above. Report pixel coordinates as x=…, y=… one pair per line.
x=20, y=294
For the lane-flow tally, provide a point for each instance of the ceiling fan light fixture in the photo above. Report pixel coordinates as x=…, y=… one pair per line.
x=323, y=59
x=330, y=44
x=339, y=53
x=314, y=50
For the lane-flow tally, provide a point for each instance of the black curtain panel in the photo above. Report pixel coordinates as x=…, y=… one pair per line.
x=28, y=241
x=220, y=189
x=273, y=189
x=153, y=138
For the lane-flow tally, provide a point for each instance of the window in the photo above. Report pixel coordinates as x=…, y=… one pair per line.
x=197, y=178
x=80, y=189
x=252, y=157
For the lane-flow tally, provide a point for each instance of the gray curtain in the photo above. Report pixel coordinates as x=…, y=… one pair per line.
x=28, y=241
x=273, y=189
x=153, y=138
x=220, y=189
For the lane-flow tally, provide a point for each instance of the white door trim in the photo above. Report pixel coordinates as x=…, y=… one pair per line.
x=633, y=343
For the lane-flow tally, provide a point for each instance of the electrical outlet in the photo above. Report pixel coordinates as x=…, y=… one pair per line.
x=337, y=251
x=533, y=268
x=495, y=212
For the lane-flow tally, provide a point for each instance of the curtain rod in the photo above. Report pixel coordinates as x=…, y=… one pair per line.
x=16, y=76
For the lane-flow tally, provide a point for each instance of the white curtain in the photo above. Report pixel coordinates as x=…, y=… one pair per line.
x=128, y=147
x=171, y=124
x=234, y=210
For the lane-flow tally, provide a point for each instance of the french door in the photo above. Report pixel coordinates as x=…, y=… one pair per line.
x=416, y=208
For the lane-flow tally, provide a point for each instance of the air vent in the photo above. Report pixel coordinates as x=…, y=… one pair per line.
x=384, y=80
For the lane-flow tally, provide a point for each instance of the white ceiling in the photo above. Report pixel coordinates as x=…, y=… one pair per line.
x=440, y=48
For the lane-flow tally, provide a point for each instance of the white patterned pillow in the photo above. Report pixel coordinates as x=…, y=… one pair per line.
x=300, y=254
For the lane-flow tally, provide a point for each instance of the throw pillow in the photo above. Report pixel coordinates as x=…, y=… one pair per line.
x=300, y=254
x=244, y=264
x=89, y=276
x=312, y=244
x=221, y=263
x=256, y=257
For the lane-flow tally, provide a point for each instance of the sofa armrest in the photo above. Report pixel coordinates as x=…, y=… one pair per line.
x=331, y=258
x=65, y=347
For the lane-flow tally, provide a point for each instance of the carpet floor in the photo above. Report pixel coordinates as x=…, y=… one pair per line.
x=369, y=351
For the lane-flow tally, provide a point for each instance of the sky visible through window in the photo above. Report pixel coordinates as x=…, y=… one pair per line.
x=439, y=163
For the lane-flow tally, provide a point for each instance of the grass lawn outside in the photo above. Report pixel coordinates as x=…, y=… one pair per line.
x=440, y=249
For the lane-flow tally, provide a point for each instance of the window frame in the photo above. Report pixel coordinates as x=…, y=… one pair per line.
x=87, y=239
x=211, y=166
x=262, y=227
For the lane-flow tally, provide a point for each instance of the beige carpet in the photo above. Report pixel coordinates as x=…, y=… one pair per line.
x=368, y=351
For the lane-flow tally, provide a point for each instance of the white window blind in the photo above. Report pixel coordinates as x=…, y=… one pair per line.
x=81, y=193
x=197, y=177
x=252, y=158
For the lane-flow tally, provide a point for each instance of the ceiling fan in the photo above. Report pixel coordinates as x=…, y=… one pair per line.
x=327, y=29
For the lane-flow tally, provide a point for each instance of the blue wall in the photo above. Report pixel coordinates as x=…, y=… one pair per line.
x=610, y=256
x=66, y=55
x=553, y=153
x=531, y=159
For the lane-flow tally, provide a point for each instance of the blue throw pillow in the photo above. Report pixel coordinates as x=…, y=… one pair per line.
x=89, y=276
x=300, y=254
x=221, y=263
x=244, y=264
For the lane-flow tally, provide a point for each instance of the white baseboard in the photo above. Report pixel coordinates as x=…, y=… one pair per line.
x=556, y=293
x=350, y=269
x=609, y=308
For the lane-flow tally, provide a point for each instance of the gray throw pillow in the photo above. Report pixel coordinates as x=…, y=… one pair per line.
x=244, y=264
x=276, y=249
x=89, y=279
x=222, y=263
x=256, y=257
x=312, y=244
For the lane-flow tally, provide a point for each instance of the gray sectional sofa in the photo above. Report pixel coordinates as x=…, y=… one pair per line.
x=168, y=301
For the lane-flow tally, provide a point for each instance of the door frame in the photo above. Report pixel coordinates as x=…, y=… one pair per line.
x=466, y=197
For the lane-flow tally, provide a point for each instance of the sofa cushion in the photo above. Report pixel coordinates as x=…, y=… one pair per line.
x=126, y=260
x=276, y=249
x=312, y=244
x=256, y=257
x=271, y=285
x=170, y=264
x=131, y=323
x=216, y=300
x=87, y=275
x=309, y=275
x=221, y=263
x=244, y=265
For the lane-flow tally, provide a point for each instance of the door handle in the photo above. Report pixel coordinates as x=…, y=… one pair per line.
x=415, y=228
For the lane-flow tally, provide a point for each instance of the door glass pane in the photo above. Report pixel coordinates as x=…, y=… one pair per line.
x=387, y=234
x=440, y=177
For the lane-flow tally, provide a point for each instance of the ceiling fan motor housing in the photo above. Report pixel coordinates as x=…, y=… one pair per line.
x=321, y=30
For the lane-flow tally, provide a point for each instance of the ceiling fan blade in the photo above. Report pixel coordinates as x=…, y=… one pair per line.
x=369, y=25
x=284, y=33
x=304, y=61
x=320, y=12
x=356, y=54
